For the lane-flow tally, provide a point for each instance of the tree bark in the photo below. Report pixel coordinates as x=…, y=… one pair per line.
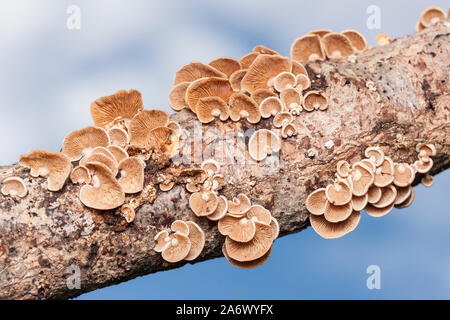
x=47, y=232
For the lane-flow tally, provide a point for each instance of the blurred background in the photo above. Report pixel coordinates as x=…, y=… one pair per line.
x=50, y=74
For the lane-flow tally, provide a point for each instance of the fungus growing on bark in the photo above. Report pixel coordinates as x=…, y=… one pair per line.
x=362, y=178
x=142, y=125
x=162, y=240
x=403, y=174
x=203, y=203
x=337, y=46
x=175, y=126
x=427, y=180
x=316, y=202
x=374, y=194
x=178, y=248
x=104, y=192
x=128, y=213
x=196, y=70
x=109, y=161
x=131, y=175
x=388, y=195
x=243, y=106
x=55, y=166
x=208, y=87
x=197, y=238
x=236, y=78
x=403, y=194
x=343, y=168
x=270, y=106
x=118, y=153
x=226, y=65
x=282, y=118
x=261, y=94
x=177, y=96
x=302, y=82
x=375, y=154
x=320, y=32
x=284, y=80
x=383, y=39
x=80, y=142
x=338, y=193
x=248, y=59
x=291, y=99
x=315, y=100
x=80, y=175
x=359, y=203
x=239, y=205
x=298, y=68
x=209, y=108
x=166, y=186
x=14, y=187
x=431, y=15
x=375, y=212
x=180, y=226
x=262, y=143
x=288, y=130
x=246, y=264
x=384, y=174
x=221, y=210
x=426, y=150
x=307, y=48
x=423, y=165
x=407, y=202
x=211, y=166
x=264, y=50
x=118, y=137
x=238, y=229
x=330, y=230
x=258, y=213
x=357, y=40
x=334, y=213
x=263, y=70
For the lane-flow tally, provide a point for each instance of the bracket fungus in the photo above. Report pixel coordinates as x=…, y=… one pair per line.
x=80, y=142
x=209, y=108
x=302, y=82
x=282, y=118
x=260, y=95
x=131, y=175
x=357, y=40
x=383, y=39
x=291, y=100
x=196, y=70
x=284, y=80
x=384, y=174
x=118, y=137
x=427, y=180
x=239, y=205
x=226, y=65
x=337, y=46
x=80, y=175
x=55, y=166
x=315, y=100
x=288, y=130
x=211, y=166
x=203, y=203
x=320, y=32
x=109, y=161
x=248, y=59
x=208, y=87
x=316, y=202
x=298, y=68
x=262, y=143
x=220, y=211
x=177, y=96
x=270, y=106
x=307, y=48
x=14, y=187
x=264, y=50
x=243, y=106
x=118, y=153
x=236, y=79
x=403, y=174
x=431, y=15
x=143, y=123
x=343, y=169
x=329, y=230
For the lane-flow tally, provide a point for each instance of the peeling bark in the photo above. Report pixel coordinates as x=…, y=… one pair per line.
x=45, y=233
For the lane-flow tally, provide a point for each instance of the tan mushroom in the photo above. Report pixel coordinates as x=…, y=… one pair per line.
x=357, y=40
x=307, y=48
x=359, y=203
x=162, y=240
x=80, y=175
x=236, y=78
x=291, y=99
x=261, y=94
x=120, y=106
x=238, y=229
x=369, y=163
x=263, y=70
x=221, y=210
x=203, y=203
x=298, y=68
x=282, y=118
x=275, y=228
x=426, y=150
x=105, y=193
x=55, y=166
x=407, y=202
x=180, y=226
x=247, y=60
x=246, y=264
x=177, y=96
x=264, y=50
x=262, y=143
x=270, y=106
x=375, y=154
x=288, y=130
x=403, y=194
x=239, y=205
x=302, y=82
x=108, y=161
x=209, y=108
x=384, y=174
x=337, y=45
x=208, y=87
x=197, y=239
x=164, y=141
x=375, y=212
x=143, y=123
x=315, y=100
x=334, y=213
x=118, y=153
x=166, y=186
x=431, y=15
x=196, y=70
x=374, y=194
x=339, y=193
x=330, y=230
x=362, y=178
x=343, y=169
x=320, y=32
x=427, y=180
x=284, y=80
x=14, y=187
x=403, y=174
x=423, y=165
x=211, y=166
x=243, y=106
x=316, y=202
x=79, y=143
x=383, y=39
x=226, y=65
x=118, y=137
x=175, y=126
x=131, y=175
x=128, y=213
x=178, y=248
x=388, y=195
x=258, y=213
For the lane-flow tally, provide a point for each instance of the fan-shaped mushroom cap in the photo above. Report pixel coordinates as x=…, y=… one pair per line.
x=262, y=70
x=80, y=142
x=337, y=45
x=259, y=214
x=270, y=107
x=80, y=175
x=369, y=163
x=247, y=264
x=408, y=201
x=282, y=119
x=55, y=166
x=118, y=136
x=375, y=212
x=118, y=153
x=357, y=40
x=388, y=195
x=343, y=169
x=320, y=32
x=383, y=39
x=122, y=105
x=105, y=193
x=291, y=99
x=221, y=210
x=166, y=186
x=298, y=68
x=316, y=202
x=164, y=140
x=307, y=48
x=432, y=15
x=374, y=194
x=330, y=230
x=403, y=194
x=177, y=96
x=14, y=187
x=288, y=130
x=211, y=166
x=203, y=203
x=236, y=78
x=427, y=180
x=375, y=154
x=384, y=174
x=423, y=165
x=302, y=82
x=162, y=240
x=339, y=193
x=143, y=123
x=197, y=238
x=253, y=249
x=248, y=59
x=263, y=142
x=275, y=228
x=209, y=108
x=426, y=150
x=362, y=178
x=264, y=50
x=315, y=100
x=178, y=249
x=109, y=162
x=403, y=174
x=239, y=205
x=238, y=229
x=334, y=213
x=208, y=87
x=131, y=175
x=175, y=126
x=284, y=80
x=359, y=203
x=128, y=213
x=196, y=70
x=243, y=106
x=180, y=226
x=261, y=94
x=226, y=65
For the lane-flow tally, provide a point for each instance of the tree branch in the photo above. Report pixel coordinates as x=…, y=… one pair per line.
x=45, y=233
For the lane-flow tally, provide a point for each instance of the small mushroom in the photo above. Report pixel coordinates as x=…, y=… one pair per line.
x=247, y=60
x=180, y=226
x=334, y=213
x=80, y=175
x=403, y=194
x=166, y=186
x=419, y=26
x=261, y=94
x=79, y=143
x=221, y=210
x=282, y=118
x=197, y=239
x=178, y=248
x=359, y=203
x=288, y=130
x=270, y=106
x=426, y=150
x=238, y=229
x=315, y=100
x=175, y=126
x=118, y=136
x=298, y=68
x=118, y=153
x=127, y=211
x=258, y=213
x=362, y=178
x=263, y=142
x=236, y=78
x=105, y=193
x=263, y=70
x=209, y=108
x=423, y=165
x=374, y=194
x=320, y=32
x=302, y=82
x=431, y=15
x=357, y=40
x=339, y=193
x=211, y=166
x=384, y=174
x=162, y=240
x=131, y=175
x=177, y=96
x=284, y=80
x=239, y=205
x=243, y=106
x=275, y=228
x=109, y=161
x=330, y=230
x=142, y=125
x=208, y=87
x=403, y=174
x=122, y=105
x=375, y=212
x=291, y=99
x=316, y=202
x=246, y=264
x=226, y=65
x=55, y=166
x=375, y=154
x=388, y=195
x=343, y=169
x=307, y=48
x=203, y=203
x=337, y=45
x=407, y=202
x=383, y=39
x=427, y=180
x=14, y=187
x=196, y=70
x=264, y=50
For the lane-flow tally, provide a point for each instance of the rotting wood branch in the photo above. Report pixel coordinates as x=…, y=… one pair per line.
x=46, y=236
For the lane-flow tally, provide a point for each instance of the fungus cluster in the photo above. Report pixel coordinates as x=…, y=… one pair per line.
x=375, y=184
x=184, y=241
x=431, y=16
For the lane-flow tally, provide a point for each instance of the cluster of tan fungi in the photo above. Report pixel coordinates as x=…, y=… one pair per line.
x=431, y=16
x=375, y=184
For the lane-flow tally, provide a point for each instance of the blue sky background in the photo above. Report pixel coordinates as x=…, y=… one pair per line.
x=49, y=76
